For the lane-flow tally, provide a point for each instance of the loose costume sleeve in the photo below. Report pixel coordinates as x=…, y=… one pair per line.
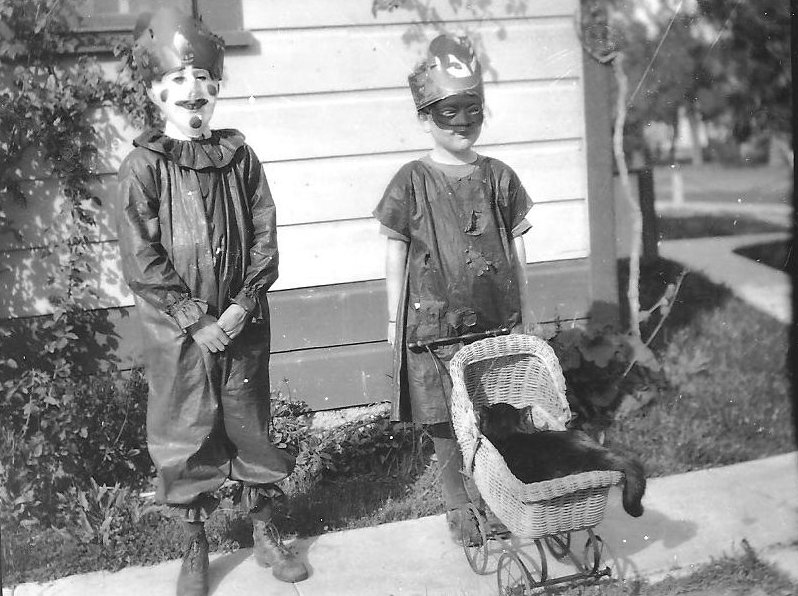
x=262, y=268
x=145, y=264
x=515, y=202
x=396, y=207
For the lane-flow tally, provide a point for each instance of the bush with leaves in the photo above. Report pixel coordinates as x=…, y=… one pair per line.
x=609, y=372
x=56, y=421
x=64, y=434
x=370, y=444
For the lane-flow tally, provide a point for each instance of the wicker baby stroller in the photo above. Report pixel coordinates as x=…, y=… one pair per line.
x=523, y=370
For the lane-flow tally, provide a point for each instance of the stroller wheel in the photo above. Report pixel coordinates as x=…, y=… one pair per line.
x=476, y=554
x=592, y=551
x=558, y=544
x=513, y=577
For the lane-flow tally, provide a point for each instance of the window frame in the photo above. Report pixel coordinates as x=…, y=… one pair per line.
x=99, y=34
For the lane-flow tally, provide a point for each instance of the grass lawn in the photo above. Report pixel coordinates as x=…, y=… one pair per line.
x=717, y=183
x=679, y=227
x=726, y=401
x=744, y=575
x=777, y=255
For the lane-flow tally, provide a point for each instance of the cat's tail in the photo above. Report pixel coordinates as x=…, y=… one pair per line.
x=635, y=475
x=634, y=486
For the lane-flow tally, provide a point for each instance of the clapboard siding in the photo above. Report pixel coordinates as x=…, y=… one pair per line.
x=383, y=121
x=40, y=222
x=25, y=276
x=353, y=250
x=310, y=255
x=272, y=14
x=287, y=62
x=550, y=171
x=380, y=121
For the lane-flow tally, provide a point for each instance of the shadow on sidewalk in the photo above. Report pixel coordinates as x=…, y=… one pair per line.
x=626, y=539
x=223, y=566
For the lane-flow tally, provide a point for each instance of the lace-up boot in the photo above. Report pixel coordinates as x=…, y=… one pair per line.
x=271, y=552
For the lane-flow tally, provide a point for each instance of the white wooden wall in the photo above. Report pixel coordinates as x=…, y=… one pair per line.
x=323, y=99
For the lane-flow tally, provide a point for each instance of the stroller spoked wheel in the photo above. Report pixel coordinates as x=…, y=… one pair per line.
x=559, y=544
x=476, y=554
x=592, y=553
x=513, y=577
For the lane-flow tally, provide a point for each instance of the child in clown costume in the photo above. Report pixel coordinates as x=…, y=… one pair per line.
x=455, y=256
x=199, y=251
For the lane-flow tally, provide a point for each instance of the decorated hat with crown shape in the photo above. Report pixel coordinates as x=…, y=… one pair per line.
x=169, y=40
x=450, y=68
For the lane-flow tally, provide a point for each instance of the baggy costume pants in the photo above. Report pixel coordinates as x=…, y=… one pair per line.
x=208, y=419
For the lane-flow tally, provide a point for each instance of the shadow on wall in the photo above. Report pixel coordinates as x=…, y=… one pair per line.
x=48, y=265
x=480, y=11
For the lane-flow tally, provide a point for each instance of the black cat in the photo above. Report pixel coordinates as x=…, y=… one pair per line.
x=533, y=456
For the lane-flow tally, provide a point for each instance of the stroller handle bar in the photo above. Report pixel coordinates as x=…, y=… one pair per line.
x=466, y=337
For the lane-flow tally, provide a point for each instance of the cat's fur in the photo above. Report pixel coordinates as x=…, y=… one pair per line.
x=533, y=456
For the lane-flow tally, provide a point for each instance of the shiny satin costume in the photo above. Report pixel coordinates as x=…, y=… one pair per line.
x=197, y=232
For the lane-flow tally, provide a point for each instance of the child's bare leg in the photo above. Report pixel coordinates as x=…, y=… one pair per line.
x=453, y=484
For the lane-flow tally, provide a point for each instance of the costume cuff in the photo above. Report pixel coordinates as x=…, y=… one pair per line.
x=260, y=501
x=521, y=228
x=186, y=311
x=198, y=511
x=393, y=234
x=246, y=301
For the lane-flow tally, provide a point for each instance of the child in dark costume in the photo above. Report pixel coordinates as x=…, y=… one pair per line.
x=199, y=251
x=455, y=256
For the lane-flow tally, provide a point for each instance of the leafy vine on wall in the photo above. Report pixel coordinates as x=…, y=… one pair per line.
x=50, y=95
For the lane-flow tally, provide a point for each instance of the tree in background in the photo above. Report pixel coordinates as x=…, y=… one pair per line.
x=725, y=63
x=752, y=49
x=667, y=67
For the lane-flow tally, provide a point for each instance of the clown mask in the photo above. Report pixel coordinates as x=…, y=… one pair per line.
x=186, y=98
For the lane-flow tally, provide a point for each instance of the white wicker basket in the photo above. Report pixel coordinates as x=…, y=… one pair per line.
x=521, y=370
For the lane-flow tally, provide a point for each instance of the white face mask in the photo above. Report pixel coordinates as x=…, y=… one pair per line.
x=186, y=98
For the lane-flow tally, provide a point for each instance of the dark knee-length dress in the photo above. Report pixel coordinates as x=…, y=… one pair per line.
x=459, y=223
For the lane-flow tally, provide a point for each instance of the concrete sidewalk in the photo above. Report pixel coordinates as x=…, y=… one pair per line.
x=689, y=520
x=766, y=289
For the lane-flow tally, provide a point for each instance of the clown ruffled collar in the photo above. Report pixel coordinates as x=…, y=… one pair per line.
x=216, y=151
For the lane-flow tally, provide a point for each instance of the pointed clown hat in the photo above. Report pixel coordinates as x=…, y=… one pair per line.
x=169, y=40
x=450, y=68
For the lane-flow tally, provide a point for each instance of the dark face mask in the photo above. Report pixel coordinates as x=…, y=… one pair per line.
x=457, y=111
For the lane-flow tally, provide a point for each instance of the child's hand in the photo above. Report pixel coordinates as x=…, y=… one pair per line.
x=391, y=332
x=233, y=320
x=209, y=335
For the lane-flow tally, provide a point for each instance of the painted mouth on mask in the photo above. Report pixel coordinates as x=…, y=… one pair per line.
x=192, y=105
